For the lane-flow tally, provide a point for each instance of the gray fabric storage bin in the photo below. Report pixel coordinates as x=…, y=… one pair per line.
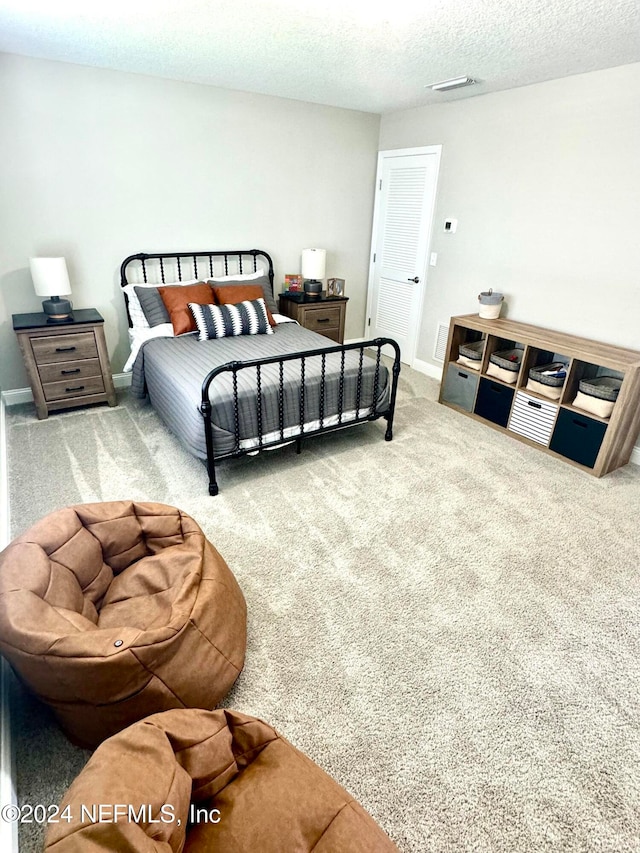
x=460, y=387
x=508, y=359
x=472, y=350
x=603, y=387
x=547, y=374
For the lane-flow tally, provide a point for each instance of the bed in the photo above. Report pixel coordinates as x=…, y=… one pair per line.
x=244, y=393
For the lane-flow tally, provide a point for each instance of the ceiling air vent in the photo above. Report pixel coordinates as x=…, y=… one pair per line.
x=454, y=83
x=442, y=335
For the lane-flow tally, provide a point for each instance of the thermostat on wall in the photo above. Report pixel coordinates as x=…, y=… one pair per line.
x=450, y=225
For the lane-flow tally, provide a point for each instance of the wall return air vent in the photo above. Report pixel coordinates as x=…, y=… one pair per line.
x=440, y=346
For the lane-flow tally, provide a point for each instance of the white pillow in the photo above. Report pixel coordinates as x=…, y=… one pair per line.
x=137, y=336
x=237, y=277
x=138, y=320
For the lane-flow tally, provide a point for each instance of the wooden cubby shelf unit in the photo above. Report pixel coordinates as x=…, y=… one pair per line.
x=594, y=444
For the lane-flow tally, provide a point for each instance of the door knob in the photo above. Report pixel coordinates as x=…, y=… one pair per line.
x=414, y=280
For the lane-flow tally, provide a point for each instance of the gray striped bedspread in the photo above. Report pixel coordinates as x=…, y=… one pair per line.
x=171, y=371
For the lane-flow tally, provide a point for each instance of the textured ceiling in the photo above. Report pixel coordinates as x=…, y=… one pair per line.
x=373, y=55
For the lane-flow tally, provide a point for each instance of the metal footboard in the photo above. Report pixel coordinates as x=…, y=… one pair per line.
x=325, y=422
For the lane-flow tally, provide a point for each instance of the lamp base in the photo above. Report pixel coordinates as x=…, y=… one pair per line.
x=57, y=309
x=313, y=288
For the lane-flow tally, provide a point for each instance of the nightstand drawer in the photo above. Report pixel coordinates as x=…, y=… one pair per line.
x=322, y=319
x=73, y=387
x=70, y=370
x=332, y=334
x=64, y=348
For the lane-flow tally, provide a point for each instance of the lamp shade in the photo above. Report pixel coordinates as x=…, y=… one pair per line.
x=50, y=276
x=313, y=263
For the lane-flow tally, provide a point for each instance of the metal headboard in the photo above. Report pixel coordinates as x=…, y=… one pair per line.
x=178, y=266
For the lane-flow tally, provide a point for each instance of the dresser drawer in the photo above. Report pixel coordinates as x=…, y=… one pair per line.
x=69, y=370
x=73, y=387
x=533, y=418
x=322, y=319
x=54, y=348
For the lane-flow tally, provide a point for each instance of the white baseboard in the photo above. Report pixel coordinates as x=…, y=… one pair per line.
x=8, y=794
x=18, y=395
x=427, y=368
x=25, y=395
x=122, y=380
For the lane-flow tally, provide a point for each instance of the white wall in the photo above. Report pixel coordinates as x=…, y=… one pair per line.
x=545, y=183
x=97, y=165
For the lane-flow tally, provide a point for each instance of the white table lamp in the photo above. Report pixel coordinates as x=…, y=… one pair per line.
x=50, y=278
x=313, y=268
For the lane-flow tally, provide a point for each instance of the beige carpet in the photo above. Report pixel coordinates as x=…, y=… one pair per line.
x=448, y=623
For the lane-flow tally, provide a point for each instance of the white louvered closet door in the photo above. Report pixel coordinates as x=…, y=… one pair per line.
x=402, y=231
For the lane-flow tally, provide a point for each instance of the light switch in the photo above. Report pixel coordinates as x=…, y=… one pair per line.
x=450, y=226
x=433, y=260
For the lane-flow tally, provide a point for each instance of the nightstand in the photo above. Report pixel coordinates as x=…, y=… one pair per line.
x=67, y=362
x=324, y=314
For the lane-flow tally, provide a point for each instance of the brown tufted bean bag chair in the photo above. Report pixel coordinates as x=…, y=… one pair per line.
x=113, y=611
x=182, y=766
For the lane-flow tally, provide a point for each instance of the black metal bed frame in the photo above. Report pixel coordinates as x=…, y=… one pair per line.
x=344, y=420
x=198, y=259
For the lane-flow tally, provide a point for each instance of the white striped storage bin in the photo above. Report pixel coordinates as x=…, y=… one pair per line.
x=533, y=418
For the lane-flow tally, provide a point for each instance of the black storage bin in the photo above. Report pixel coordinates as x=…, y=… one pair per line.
x=494, y=402
x=577, y=437
x=460, y=387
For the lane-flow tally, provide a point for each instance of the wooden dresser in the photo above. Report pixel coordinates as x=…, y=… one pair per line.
x=324, y=314
x=67, y=362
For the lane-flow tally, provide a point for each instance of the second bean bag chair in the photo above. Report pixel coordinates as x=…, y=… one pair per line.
x=209, y=782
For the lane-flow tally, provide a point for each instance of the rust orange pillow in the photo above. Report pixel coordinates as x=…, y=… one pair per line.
x=177, y=299
x=232, y=294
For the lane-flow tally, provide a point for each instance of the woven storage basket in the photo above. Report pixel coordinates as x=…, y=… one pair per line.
x=603, y=387
x=472, y=350
x=508, y=359
x=541, y=374
x=490, y=304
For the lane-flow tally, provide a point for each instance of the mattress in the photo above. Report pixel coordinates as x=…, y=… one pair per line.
x=171, y=371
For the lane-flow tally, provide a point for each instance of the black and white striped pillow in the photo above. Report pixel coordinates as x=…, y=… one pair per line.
x=221, y=321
